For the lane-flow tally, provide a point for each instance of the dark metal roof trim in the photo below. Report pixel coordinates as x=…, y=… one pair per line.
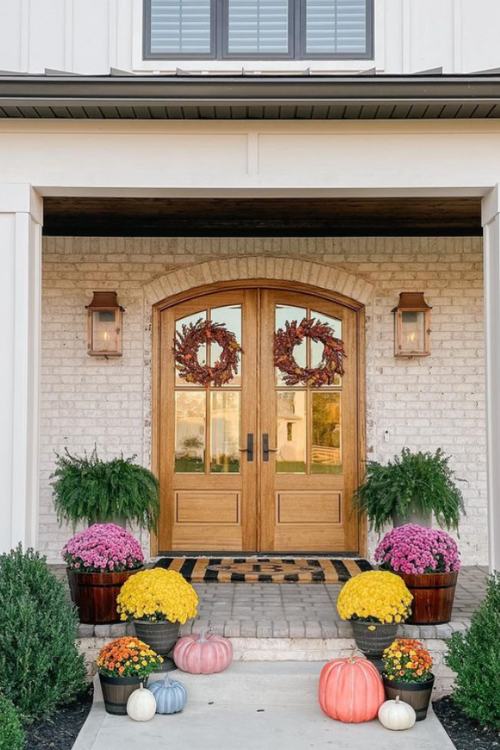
x=366, y=96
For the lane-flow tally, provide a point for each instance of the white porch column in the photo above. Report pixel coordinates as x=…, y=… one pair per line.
x=21, y=212
x=491, y=241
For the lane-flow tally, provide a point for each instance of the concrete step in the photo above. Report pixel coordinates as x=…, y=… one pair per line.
x=258, y=684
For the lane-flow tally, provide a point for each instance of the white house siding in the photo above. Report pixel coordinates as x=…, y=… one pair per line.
x=90, y=36
x=437, y=401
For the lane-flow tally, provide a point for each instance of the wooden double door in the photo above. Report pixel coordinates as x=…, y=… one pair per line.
x=256, y=465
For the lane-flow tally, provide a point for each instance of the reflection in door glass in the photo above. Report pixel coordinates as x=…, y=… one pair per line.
x=230, y=315
x=202, y=351
x=289, y=313
x=190, y=407
x=225, y=431
x=317, y=346
x=326, y=457
x=292, y=432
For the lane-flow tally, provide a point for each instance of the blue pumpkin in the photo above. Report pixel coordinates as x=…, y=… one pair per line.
x=170, y=695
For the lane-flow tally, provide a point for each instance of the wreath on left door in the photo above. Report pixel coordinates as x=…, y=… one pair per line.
x=187, y=344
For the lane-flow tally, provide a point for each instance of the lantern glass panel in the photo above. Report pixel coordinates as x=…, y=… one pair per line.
x=104, y=331
x=412, y=331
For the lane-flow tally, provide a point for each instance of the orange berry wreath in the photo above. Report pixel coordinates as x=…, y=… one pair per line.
x=187, y=343
x=332, y=361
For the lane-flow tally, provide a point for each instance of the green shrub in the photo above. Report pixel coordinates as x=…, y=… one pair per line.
x=40, y=667
x=475, y=657
x=11, y=730
x=95, y=491
x=411, y=482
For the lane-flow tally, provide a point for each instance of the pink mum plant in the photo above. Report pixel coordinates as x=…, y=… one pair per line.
x=416, y=549
x=103, y=547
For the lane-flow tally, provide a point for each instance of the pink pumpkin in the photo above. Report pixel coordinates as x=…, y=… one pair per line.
x=203, y=654
x=351, y=690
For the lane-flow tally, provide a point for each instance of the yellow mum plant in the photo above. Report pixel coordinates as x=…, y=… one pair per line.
x=375, y=596
x=157, y=595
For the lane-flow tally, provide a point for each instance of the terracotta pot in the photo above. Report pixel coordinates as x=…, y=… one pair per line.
x=116, y=692
x=373, y=637
x=95, y=594
x=161, y=637
x=433, y=595
x=417, y=694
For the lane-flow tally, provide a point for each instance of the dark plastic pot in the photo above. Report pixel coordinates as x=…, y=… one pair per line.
x=161, y=637
x=116, y=692
x=433, y=595
x=95, y=594
x=417, y=694
x=373, y=637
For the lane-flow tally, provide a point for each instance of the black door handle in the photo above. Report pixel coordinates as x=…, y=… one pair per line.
x=249, y=449
x=266, y=450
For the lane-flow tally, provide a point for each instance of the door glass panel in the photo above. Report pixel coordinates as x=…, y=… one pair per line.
x=317, y=346
x=202, y=351
x=326, y=455
x=292, y=432
x=230, y=315
x=289, y=313
x=225, y=431
x=190, y=418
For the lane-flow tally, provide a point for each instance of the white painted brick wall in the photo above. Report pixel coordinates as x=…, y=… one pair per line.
x=436, y=401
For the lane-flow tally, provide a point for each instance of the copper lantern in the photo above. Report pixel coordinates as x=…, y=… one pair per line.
x=412, y=319
x=105, y=325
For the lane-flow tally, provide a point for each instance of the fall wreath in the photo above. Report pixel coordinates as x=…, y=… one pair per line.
x=187, y=343
x=332, y=361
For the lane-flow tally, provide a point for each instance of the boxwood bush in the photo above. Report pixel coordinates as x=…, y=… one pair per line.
x=40, y=667
x=475, y=657
x=11, y=730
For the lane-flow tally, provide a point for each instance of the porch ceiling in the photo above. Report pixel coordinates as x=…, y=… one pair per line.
x=245, y=95
x=262, y=217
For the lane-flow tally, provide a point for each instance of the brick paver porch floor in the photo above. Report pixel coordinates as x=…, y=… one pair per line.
x=269, y=610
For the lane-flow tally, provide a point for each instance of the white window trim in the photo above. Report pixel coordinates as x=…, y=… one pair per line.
x=258, y=66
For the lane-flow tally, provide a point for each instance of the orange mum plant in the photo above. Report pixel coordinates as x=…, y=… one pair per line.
x=406, y=660
x=127, y=657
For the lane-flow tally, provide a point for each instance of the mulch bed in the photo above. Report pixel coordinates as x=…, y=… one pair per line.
x=463, y=732
x=60, y=732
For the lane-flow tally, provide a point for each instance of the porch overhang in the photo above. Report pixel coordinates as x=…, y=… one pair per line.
x=250, y=96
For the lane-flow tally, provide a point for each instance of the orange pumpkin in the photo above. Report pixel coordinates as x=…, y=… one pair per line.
x=350, y=690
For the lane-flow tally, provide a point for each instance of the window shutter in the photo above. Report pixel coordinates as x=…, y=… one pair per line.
x=336, y=27
x=181, y=27
x=258, y=27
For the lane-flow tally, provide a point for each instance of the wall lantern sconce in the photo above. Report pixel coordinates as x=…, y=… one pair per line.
x=412, y=321
x=104, y=338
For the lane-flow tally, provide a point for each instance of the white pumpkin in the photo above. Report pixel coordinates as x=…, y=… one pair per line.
x=141, y=705
x=396, y=715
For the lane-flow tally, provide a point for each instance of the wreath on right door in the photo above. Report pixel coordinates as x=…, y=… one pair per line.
x=332, y=360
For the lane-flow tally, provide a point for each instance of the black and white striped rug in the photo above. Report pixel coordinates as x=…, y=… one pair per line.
x=265, y=569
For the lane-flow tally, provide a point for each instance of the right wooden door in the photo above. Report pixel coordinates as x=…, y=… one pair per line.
x=308, y=435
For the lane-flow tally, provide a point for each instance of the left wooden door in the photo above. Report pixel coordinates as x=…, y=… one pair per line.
x=207, y=474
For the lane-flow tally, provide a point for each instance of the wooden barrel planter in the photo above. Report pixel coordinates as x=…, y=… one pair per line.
x=433, y=595
x=116, y=692
x=95, y=594
x=417, y=694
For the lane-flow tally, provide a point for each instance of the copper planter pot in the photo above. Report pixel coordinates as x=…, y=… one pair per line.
x=116, y=692
x=433, y=595
x=94, y=594
x=417, y=694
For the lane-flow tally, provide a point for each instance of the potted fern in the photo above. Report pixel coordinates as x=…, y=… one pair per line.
x=91, y=490
x=410, y=489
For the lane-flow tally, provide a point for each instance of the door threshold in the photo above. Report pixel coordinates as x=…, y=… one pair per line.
x=245, y=554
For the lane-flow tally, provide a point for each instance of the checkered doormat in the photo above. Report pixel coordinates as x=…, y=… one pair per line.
x=265, y=569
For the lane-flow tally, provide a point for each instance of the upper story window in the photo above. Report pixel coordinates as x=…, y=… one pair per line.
x=263, y=29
